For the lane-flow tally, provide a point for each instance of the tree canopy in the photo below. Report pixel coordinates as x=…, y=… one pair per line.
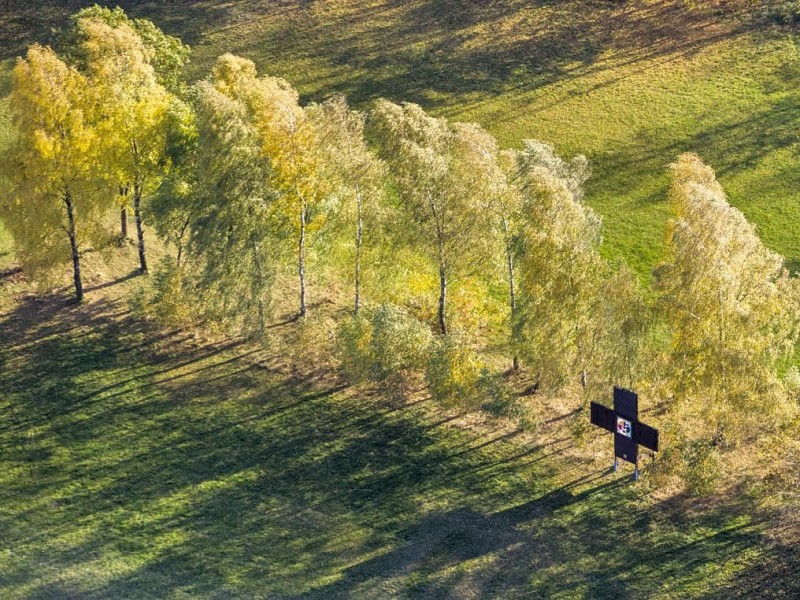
x=52, y=165
x=456, y=255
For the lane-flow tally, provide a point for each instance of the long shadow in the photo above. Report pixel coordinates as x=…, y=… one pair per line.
x=225, y=480
x=427, y=51
x=211, y=422
x=409, y=50
x=526, y=538
x=101, y=286
x=776, y=577
x=732, y=147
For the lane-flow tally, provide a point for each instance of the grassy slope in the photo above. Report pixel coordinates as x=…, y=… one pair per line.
x=629, y=84
x=142, y=463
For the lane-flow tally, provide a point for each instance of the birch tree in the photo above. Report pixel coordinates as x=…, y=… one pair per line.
x=134, y=107
x=52, y=207
x=358, y=173
x=176, y=203
x=491, y=174
x=732, y=309
x=166, y=54
x=560, y=269
x=424, y=154
x=227, y=207
x=615, y=347
x=290, y=142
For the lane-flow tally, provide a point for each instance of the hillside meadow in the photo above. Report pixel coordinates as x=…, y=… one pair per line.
x=630, y=85
x=152, y=462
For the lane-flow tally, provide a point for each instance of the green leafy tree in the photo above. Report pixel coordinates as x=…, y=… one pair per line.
x=560, y=269
x=290, y=143
x=732, y=310
x=51, y=166
x=453, y=373
x=175, y=204
x=134, y=108
x=491, y=175
x=399, y=343
x=428, y=158
x=166, y=54
x=506, y=205
x=357, y=173
x=227, y=206
x=619, y=349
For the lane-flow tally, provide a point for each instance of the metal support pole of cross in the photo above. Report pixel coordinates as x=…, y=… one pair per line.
x=623, y=422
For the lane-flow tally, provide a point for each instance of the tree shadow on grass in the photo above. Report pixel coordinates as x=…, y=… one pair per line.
x=184, y=468
x=776, y=576
x=101, y=286
x=432, y=51
x=172, y=439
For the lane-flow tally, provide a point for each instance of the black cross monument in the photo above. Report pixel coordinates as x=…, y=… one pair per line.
x=624, y=423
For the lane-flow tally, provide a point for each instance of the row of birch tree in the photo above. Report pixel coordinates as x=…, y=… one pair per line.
x=451, y=250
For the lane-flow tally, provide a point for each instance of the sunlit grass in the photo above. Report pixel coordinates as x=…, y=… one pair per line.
x=629, y=85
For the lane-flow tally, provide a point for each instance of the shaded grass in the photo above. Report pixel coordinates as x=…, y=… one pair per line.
x=140, y=462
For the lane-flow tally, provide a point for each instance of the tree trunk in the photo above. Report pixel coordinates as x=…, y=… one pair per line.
x=179, y=242
x=442, y=296
x=359, y=233
x=511, y=292
x=262, y=317
x=73, y=242
x=301, y=260
x=123, y=212
x=137, y=214
x=123, y=223
x=442, y=265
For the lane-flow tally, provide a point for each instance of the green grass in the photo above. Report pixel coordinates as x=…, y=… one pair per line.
x=140, y=463
x=136, y=462
x=630, y=99
x=631, y=85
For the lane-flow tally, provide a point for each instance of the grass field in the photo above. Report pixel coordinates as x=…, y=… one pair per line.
x=631, y=85
x=145, y=463
x=148, y=463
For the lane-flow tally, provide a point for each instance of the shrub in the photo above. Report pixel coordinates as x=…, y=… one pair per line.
x=167, y=296
x=399, y=343
x=500, y=401
x=579, y=425
x=791, y=382
x=312, y=343
x=702, y=467
x=453, y=373
x=353, y=348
